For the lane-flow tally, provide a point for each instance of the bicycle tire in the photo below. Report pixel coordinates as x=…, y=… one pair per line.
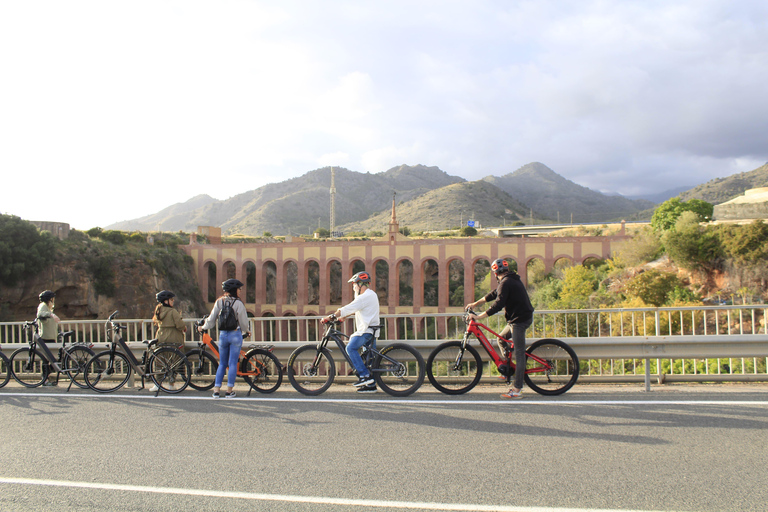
x=73, y=364
x=169, y=369
x=307, y=377
x=402, y=377
x=5, y=370
x=105, y=378
x=24, y=375
x=445, y=377
x=262, y=370
x=564, y=372
x=204, y=366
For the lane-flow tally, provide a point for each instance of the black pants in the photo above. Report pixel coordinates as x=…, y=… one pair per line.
x=516, y=333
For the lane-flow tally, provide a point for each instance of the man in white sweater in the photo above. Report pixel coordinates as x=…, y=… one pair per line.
x=366, y=310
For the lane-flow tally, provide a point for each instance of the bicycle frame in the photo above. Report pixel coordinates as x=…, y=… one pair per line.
x=333, y=334
x=36, y=343
x=207, y=341
x=476, y=328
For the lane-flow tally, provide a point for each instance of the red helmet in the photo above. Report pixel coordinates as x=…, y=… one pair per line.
x=500, y=266
x=360, y=277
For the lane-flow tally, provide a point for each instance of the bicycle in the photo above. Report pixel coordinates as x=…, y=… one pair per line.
x=5, y=370
x=258, y=366
x=32, y=365
x=398, y=368
x=109, y=370
x=455, y=367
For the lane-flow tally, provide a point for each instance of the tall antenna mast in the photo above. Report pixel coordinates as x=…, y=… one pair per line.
x=333, y=202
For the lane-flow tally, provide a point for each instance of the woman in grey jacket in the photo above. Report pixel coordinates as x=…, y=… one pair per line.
x=233, y=327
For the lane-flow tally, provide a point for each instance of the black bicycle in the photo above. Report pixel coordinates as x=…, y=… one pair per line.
x=5, y=370
x=108, y=371
x=398, y=368
x=32, y=365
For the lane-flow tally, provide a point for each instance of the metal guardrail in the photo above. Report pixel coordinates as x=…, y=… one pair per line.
x=707, y=343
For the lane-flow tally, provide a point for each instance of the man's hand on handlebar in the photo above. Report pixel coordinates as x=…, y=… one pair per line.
x=329, y=318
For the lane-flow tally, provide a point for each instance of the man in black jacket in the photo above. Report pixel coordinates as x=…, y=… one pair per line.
x=511, y=296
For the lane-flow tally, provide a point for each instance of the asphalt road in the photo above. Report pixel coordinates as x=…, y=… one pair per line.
x=681, y=447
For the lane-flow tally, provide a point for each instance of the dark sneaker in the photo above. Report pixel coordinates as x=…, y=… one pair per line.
x=230, y=395
x=367, y=389
x=365, y=381
x=216, y=394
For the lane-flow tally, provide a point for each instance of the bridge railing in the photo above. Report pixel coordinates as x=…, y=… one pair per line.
x=707, y=343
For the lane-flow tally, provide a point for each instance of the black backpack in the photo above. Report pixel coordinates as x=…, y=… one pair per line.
x=228, y=317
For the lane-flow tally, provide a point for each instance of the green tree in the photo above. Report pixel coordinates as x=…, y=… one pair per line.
x=24, y=250
x=745, y=244
x=653, y=287
x=579, y=283
x=468, y=231
x=666, y=215
x=691, y=246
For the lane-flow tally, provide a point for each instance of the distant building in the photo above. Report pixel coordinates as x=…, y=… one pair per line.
x=752, y=205
x=58, y=229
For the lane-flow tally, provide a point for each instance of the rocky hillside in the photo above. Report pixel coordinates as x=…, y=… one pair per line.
x=551, y=196
x=721, y=190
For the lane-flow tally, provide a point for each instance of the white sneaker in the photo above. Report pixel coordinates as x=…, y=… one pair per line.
x=154, y=388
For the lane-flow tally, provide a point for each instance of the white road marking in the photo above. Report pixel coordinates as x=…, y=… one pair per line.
x=321, y=500
x=394, y=400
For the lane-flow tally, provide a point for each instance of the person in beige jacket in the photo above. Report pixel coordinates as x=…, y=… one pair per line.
x=168, y=320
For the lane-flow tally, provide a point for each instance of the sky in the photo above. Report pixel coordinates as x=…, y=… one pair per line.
x=111, y=110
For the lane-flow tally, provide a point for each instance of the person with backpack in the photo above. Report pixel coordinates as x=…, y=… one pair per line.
x=49, y=324
x=168, y=320
x=233, y=327
x=512, y=297
x=365, y=307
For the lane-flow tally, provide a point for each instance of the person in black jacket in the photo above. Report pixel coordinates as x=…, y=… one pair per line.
x=511, y=296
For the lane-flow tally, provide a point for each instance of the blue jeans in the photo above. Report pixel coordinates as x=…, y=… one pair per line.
x=230, y=343
x=355, y=342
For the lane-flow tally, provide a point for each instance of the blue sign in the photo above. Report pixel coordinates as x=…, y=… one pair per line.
x=471, y=223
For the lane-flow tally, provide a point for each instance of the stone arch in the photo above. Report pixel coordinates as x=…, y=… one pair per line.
x=211, y=288
x=335, y=282
x=560, y=265
x=355, y=266
x=291, y=273
x=381, y=286
x=483, y=281
x=268, y=328
x=290, y=328
x=405, y=282
x=229, y=270
x=535, y=272
x=592, y=261
x=313, y=282
x=455, y=282
x=269, y=271
x=249, y=271
x=430, y=270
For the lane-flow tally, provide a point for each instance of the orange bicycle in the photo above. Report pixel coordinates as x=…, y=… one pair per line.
x=258, y=366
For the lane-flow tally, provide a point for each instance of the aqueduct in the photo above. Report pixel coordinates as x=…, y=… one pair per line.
x=411, y=276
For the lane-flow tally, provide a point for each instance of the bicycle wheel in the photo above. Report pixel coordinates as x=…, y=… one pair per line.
x=551, y=367
x=204, y=366
x=399, y=369
x=105, y=374
x=5, y=370
x=29, y=368
x=310, y=371
x=262, y=370
x=169, y=369
x=452, y=370
x=73, y=364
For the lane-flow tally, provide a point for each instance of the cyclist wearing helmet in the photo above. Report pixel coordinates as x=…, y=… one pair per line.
x=168, y=320
x=48, y=322
x=231, y=336
x=511, y=296
x=366, y=310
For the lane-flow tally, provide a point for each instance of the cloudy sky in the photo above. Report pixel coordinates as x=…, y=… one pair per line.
x=111, y=109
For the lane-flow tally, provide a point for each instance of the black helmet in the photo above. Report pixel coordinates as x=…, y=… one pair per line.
x=500, y=266
x=46, y=296
x=164, y=295
x=231, y=284
x=360, y=277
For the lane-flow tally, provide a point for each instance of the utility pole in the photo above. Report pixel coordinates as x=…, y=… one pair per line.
x=333, y=202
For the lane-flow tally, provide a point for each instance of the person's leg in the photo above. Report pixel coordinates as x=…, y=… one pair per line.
x=236, y=343
x=355, y=342
x=518, y=338
x=505, y=333
x=223, y=359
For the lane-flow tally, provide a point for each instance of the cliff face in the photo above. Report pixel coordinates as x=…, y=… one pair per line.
x=121, y=282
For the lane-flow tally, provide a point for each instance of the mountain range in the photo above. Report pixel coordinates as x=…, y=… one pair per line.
x=427, y=199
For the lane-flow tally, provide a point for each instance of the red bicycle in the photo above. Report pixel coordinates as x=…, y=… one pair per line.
x=455, y=367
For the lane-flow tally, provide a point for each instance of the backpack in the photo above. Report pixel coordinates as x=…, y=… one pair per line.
x=228, y=317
